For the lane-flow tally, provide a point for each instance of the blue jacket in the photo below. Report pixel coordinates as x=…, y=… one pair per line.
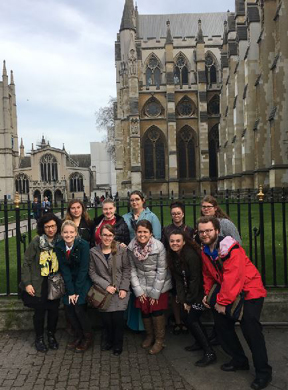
x=75, y=269
x=149, y=216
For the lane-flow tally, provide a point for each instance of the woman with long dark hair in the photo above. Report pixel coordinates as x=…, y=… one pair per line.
x=101, y=268
x=151, y=281
x=76, y=212
x=185, y=264
x=39, y=262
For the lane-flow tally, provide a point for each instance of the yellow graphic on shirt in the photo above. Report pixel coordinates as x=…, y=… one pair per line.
x=48, y=262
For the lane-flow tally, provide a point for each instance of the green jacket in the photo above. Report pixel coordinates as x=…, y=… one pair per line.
x=31, y=270
x=75, y=269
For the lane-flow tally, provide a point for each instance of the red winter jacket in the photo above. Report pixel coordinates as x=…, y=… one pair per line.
x=237, y=273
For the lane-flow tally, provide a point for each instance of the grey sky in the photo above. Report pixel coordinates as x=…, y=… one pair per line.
x=62, y=55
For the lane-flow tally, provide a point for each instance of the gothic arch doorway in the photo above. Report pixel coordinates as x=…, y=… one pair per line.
x=37, y=194
x=49, y=195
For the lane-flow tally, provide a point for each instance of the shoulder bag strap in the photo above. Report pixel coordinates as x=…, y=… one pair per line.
x=113, y=270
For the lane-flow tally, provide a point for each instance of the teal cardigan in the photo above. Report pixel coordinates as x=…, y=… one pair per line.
x=75, y=269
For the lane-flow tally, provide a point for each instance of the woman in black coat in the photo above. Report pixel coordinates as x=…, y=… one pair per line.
x=76, y=212
x=109, y=217
x=185, y=264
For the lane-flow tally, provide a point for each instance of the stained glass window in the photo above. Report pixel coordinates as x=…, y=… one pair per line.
x=154, y=154
x=186, y=153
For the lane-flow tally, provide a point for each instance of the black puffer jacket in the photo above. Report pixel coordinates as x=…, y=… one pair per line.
x=187, y=273
x=121, y=229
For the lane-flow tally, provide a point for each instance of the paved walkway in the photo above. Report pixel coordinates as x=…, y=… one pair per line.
x=22, y=367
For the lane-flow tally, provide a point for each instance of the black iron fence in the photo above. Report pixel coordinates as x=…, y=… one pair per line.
x=260, y=219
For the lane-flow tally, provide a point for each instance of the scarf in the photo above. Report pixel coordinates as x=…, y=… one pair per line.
x=48, y=260
x=140, y=252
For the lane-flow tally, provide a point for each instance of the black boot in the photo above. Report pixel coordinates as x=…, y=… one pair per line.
x=52, y=342
x=40, y=344
x=201, y=337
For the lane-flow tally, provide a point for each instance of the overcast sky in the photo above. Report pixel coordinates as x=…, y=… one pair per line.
x=62, y=55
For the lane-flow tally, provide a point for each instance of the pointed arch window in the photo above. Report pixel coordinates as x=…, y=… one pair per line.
x=187, y=153
x=181, y=71
x=153, y=72
x=48, y=168
x=22, y=183
x=186, y=107
x=211, y=69
x=213, y=151
x=214, y=105
x=76, y=182
x=154, y=154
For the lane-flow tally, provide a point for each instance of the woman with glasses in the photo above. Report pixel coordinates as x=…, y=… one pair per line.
x=100, y=271
x=210, y=207
x=139, y=212
x=76, y=212
x=40, y=261
x=150, y=281
x=185, y=264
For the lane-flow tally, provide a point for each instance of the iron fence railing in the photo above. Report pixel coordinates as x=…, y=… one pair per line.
x=261, y=221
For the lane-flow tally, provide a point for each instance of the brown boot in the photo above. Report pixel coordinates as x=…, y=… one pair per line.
x=159, y=329
x=75, y=341
x=149, y=339
x=85, y=343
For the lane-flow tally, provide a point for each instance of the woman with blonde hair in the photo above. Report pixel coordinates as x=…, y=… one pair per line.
x=73, y=255
x=106, y=258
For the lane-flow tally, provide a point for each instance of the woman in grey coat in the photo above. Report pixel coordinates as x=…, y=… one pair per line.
x=100, y=271
x=151, y=281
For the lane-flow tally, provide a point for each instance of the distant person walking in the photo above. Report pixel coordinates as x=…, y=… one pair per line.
x=46, y=205
x=36, y=209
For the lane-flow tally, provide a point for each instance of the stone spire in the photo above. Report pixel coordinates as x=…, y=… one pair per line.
x=4, y=68
x=127, y=22
x=169, y=38
x=12, y=78
x=200, y=38
x=22, y=149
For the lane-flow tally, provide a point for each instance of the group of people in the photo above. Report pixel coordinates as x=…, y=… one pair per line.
x=140, y=264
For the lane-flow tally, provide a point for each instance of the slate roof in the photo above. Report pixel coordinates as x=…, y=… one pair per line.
x=25, y=162
x=84, y=160
x=182, y=25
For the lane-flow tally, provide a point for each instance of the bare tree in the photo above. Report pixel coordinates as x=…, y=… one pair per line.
x=105, y=119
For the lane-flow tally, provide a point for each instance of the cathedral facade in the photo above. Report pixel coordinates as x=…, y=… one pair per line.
x=202, y=99
x=45, y=171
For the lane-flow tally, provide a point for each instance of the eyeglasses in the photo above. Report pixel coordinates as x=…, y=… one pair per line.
x=176, y=214
x=107, y=235
x=47, y=227
x=207, y=231
x=207, y=207
x=135, y=200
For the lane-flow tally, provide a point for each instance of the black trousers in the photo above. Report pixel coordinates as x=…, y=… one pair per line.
x=113, y=323
x=252, y=331
x=78, y=317
x=52, y=309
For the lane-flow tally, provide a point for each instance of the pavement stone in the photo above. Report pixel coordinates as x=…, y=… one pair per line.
x=21, y=367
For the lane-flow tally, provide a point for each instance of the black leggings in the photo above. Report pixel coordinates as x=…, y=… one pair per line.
x=52, y=308
x=113, y=323
x=78, y=317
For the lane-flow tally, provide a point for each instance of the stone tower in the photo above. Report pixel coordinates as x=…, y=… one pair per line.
x=9, y=156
